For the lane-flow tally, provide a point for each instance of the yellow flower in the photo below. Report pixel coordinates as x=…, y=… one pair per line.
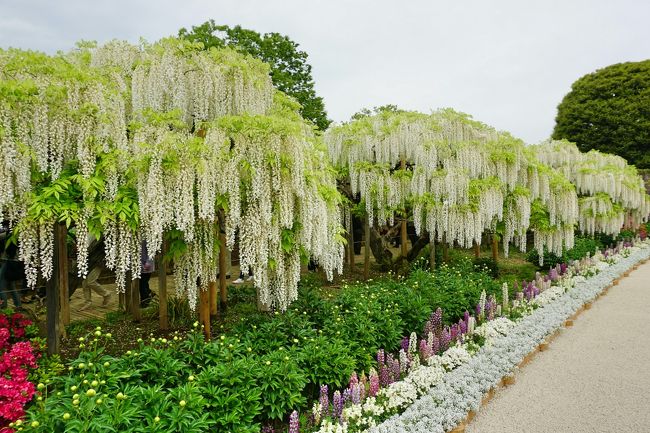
x=66, y=416
x=182, y=403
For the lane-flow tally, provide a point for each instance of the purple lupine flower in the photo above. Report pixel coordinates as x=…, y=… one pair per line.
x=324, y=400
x=364, y=385
x=374, y=384
x=356, y=394
x=479, y=310
x=563, y=268
x=403, y=361
x=395, y=371
x=405, y=344
x=445, y=339
x=268, y=429
x=462, y=325
x=437, y=321
x=362, y=391
x=353, y=379
x=454, y=332
x=381, y=358
x=384, y=375
x=337, y=405
x=425, y=350
x=466, y=317
x=435, y=345
x=347, y=396
x=294, y=422
x=553, y=275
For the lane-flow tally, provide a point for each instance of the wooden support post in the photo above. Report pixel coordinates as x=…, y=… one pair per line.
x=128, y=288
x=53, y=287
x=366, y=250
x=135, y=300
x=404, y=221
x=64, y=284
x=477, y=250
x=432, y=251
x=223, y=288
x=121, y=305
x=162, y=290
x=495, y=247
x=445, y=249
x=351, y=241
x=204, y=312
x=214, y=297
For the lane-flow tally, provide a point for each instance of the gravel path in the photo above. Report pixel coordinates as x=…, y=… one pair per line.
x=595, y=377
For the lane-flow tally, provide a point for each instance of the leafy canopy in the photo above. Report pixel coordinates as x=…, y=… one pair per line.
x=609, y=110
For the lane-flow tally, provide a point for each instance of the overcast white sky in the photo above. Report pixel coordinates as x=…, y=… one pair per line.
x=508, y=62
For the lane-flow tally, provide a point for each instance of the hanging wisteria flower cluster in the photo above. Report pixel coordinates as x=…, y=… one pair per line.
x=612, y=193
x=210, y=146
x=461, y=178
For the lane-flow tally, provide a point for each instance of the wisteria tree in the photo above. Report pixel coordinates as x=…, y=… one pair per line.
x=612, y=194
x=142, y=143
x=460, y=177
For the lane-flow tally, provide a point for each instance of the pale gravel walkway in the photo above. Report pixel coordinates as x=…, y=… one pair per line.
x=595, y=377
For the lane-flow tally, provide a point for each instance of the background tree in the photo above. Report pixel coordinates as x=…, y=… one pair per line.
x=609, y=110
x=290, y=71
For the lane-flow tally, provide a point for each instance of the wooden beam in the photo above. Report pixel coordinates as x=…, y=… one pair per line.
x=128, y=298
x=223, y=288
x=135, y=300
x=64, y=284
x=204, y=312
x=445, y=249
x=404, y=220
x=52, y=292
x=351, y=241
x=162, y=289
x=214, y=298
x=432, y=251
x=366, y=250
x=495, y=248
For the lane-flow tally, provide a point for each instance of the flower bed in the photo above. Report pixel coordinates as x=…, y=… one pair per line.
x=264, y=368
x=447, y=403
x=18, y=358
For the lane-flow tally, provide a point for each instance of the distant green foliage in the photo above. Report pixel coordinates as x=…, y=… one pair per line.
x=290, y=71
x=609, y=110
x=582, y=247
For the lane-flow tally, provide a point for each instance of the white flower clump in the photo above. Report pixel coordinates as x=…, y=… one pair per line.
x=328, y=427
x=493, y=329
x=424, y=377
x=454, y=357
x=399, y=394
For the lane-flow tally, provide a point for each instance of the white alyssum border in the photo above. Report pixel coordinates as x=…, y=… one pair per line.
x=462, y=389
